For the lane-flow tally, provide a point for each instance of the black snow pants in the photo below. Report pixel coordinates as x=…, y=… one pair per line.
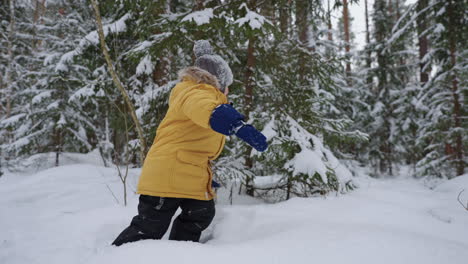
x=155, y=214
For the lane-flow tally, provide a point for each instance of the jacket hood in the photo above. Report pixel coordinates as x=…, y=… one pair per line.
x=199, y=75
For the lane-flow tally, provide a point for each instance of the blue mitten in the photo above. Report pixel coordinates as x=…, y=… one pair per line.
x=253, y=137
x=226, y=120
x=215, y=184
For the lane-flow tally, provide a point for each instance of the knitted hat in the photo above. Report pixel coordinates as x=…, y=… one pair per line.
x=212, y=63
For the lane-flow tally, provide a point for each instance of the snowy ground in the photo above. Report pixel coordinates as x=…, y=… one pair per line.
x=69, y=215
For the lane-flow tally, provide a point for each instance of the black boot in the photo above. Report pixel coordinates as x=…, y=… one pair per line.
x=153, y=219
x=196, y=216
x=130, y=234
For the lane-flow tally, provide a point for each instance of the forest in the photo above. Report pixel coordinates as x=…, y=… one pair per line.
x=326, y=104
x=353, y=148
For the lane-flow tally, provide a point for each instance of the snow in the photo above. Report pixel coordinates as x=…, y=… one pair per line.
x=39, y=97
x=313, y=158
x=200, y=17
x=308, y=162
x=115, y=27
x=269, y=131
x=439, y=28
x=84, y=92
x=455, y=185
x=146, y=44
x=53, y=105
x=11, y=120
x=145, y=66
x=253, y=19
x=70, y=214
x=62, y=120
x=43, y=161
x=267, y=181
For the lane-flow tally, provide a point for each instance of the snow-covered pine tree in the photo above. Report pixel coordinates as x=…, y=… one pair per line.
x=351, y=92
x=51, y=121
x=18, y=73
x=407, y=111
x=298, y=111
x=443, y=134
x=390, y=76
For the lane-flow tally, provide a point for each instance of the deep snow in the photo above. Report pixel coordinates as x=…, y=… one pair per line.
x=69, y=215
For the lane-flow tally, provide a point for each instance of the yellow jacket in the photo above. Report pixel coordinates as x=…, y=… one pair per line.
x=178, y=163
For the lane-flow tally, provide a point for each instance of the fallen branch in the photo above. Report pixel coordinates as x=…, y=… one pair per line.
x=460, y=201
x=117, y=81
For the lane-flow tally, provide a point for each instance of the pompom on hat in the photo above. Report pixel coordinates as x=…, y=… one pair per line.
x=207, y=60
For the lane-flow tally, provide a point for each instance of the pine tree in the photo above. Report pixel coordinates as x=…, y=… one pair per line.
x=441, y=135
x=311, y=118
x=391, y=73
x=19, y=75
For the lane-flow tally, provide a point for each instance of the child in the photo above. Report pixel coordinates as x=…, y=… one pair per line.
x=176, y=172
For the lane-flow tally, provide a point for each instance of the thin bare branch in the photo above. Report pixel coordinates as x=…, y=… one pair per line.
x=460, y=201
x=113, y=195
x=117, y=81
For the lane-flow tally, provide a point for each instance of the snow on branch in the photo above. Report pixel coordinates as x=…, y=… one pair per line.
x=92, y=38
x=200, y=17
x=396, y=32
x=144, y=46
x=11, y=120
x=253, y=19
x=145, y=66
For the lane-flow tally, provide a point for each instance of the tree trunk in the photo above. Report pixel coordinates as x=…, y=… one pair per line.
x=162, y=69
x=422, y=42
x=301, y=21
x=368, y=53
x=329, y=22
x=402, y=75
x=249, y=80
x=249, y=84
x=199, y=4
x=118, y=83
x=460, y=165
x=9, y=70
x=366, y=13
x=58, y=145
x=397, y=9
x=302, y=33
x=38, y=13
x=347, y=44
x=284, y=18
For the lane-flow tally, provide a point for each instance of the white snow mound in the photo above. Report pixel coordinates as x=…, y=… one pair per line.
x=454, y=185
